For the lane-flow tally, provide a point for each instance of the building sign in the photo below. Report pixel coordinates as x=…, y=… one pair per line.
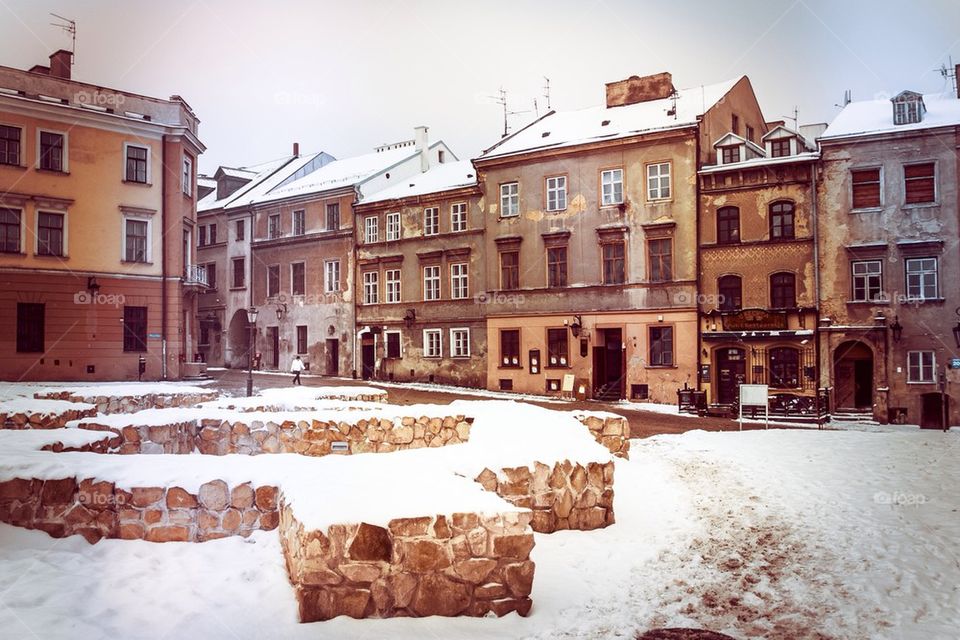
x=955, y=363
x=153, y=336
x=754, y=320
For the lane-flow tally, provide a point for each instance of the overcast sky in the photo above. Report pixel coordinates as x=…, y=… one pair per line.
x=343, y=77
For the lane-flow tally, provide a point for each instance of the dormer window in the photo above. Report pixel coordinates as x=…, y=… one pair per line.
x=729, y=155
x=908, y=108
x=780, y=148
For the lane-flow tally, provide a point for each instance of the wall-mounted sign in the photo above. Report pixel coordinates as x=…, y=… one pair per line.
x=754, y=320
x=153, y=336
x=955, y=363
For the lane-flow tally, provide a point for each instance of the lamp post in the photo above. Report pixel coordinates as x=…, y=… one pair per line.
x=251, y=327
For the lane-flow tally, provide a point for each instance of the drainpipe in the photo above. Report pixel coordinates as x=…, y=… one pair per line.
x=816, y=286
x=163, y=263
x=696, y=286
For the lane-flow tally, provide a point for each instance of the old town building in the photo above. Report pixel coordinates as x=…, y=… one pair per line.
x=757, y=283
x=889, y=260
x=97, y=223
x=420, y=263
x=591, y=240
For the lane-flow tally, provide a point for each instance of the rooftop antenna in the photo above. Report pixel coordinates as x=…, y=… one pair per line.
x=546, y=91
x=536, y=109
x=501, y=99
x=69, y=26
x=796, y=114
x=847, y=99
x=949, y=72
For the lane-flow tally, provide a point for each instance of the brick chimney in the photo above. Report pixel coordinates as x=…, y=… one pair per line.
x=60, y=62
x=296, y=149
x=636, y=89
x=956, y=79
x=423, y=147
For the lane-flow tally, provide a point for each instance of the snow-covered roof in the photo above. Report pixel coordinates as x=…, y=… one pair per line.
x=868, y=117
x=449, y=175
x=236, y=172
x=568, y=128
x=762, y=161
x=258, y=192
x=210, y=202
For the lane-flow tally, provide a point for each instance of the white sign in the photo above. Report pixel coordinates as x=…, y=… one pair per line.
x=754, y=395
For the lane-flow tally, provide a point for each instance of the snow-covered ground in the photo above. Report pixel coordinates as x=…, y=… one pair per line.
x=760, y=534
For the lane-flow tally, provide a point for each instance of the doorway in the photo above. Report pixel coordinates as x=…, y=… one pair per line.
x=273, y=334
x=333, y=357
x=608, y=361
x=931, y=410
x=731, y=373
x=853, y=376
x=367, y=356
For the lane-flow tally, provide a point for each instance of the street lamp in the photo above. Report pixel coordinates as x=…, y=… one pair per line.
x=251, y=327
x=897, y=329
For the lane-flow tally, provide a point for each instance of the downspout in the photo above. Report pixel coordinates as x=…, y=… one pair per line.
x=354, y=269
x=163, y=264
x=696, y=286
x=816, y=284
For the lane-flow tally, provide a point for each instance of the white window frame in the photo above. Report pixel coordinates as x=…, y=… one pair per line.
x=936, y=183
x=148, y=253
x=127, y=145
x=304, y=278
x=431, y=221
x=36, y=232
x=455, y=344
x=459, y=281
x=881, y=187
x=923, y=295
x=659, y=183
x=371, y=232
x=23, y=143
x=331, y=268
x=186, y=176
x=556, y=187
x=432, y=279
x=271, y=228
x=854, y=276
x=303, y=221
x=371, y=287
x=429, y=353
x=609, y=181
x=393, y=226
x=931, y=367
x=65, y=164
x=458, y=216
x=509, y=199
x=279, y=281
x=392, y=285
x=399, y=342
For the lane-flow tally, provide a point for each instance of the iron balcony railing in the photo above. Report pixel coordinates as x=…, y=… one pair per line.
x=195, y=274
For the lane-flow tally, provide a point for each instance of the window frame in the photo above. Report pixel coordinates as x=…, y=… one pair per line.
x=371, y=232
x=558, y=359
x=519, y=350
x=274, y=281
x=335, y=265
x=386, y=343
x=371, y=286
x=124, y=244
x=393, y=217
x=556, y=267
x=514, y=270
x=921, y=367
x=454, y=351
x=133, y=342
x=431, y=221
x=879, y=187
x=914, y=180
x=665, y=357
x=331, y=214
x=464, y=280
x=63, y=233
x=305, y=339
x=737, y=300
x=30, y=333
x=393, y=286
x=241, y=260
x=783, y=380
x=655, y=258
x=777, y=291
x=656, y=193
x=727, y=238
x=867, y=276
x=782, y=215
x=612, y=201
x=186, y=176
x=293, y=279
x=64, y=150
x=558, y=191
x=730, y=154
x=458, y=217
x=439, y=335
x=512, y=198
x=778, y=144
x=605, y=260
x=922, y=297
x=148, y=162
x=18, y=212
x=20, y=145
x=301, y=222
x=432, y=288
x=274, y=226
x=240, y=230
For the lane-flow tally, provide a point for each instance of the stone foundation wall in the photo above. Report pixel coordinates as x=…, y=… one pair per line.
x=611, y=432
x=132, y=404
x=566, y=496
x=23, y=420
x=266, y=407
x=98, y=510
x=446, y=565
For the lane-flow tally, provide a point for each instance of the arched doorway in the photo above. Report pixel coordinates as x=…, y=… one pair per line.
x=853, y=376
x=237, y=341
x=731, y=373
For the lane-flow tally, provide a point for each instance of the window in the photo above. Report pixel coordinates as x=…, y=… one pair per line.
x=509, y=347
x=730, y=291
x=30, y=318
x=135, y=240
x=136, y=168
x=460, y=343
x=432, y=343
x=51, y=151
x=9, y=230
x=204, y=338
x=556, y=193
x=299, y=222
x=458, y=217
x=431, y=221
x=239, y=273
x=867, y=280
x=509, y=199
x=660, y=251
x=611, y=187
x=556, y=267
x=750, y=133
x=658, y=181
x=135, y=329
x=728, y=225
x=922, y=278
x=371, y=287
x=393, y=226
x=298, y=280
x=371, y=229
x=780, y=148
x=613, y=263
x=273, y=226
x=49, y=234
x=509, y=269
x=783, y=291
x=273, y=280
x=781, y=221
x=731, y=154
x=558, y=347
x=392, y=280
x=201, y=236
x=393, y=344
x=907, y=111
x=866, y=188
x=459, y=281
x=661, y=346
x=301, y=338
x=921, y=366
x=441, y=156
x=186, y=179
x=240, y=228
x=333, y=216
x=735, y=123
x=331, y=276
x=213, y=233
x=10, y=145
x=431, y=282
x=211, y=268
x=919, y=183
x=784, y=368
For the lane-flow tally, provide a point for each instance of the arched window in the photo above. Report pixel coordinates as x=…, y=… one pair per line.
x=783, y=291
x=781, y=221
x=728, y=225
x=784, y=368
x=730, y=289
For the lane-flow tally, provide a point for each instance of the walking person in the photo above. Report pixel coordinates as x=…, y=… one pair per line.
x=296, y=368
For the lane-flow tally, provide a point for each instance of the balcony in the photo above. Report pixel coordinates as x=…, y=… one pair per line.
x=195, y=276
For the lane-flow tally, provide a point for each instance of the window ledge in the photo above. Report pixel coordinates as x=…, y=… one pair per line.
x=659, y=200
x=661, y=366
x=919, y=205
x=511, y=368
x=137, y=183
x=13, y=253
x=881, y=302
x=559, y=367
x=22, y=167
x=466, y=357
x=53, y=171
x=867, y=210
x=921, y=382
x=51, y=256
x=133, y=262
x=243, y=288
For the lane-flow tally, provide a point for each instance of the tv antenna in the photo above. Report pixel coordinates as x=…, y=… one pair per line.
x=501, y=99
x=795, y=118
x=949, y=72
x=546, y=91
x=70, y=27
x=847, y=99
